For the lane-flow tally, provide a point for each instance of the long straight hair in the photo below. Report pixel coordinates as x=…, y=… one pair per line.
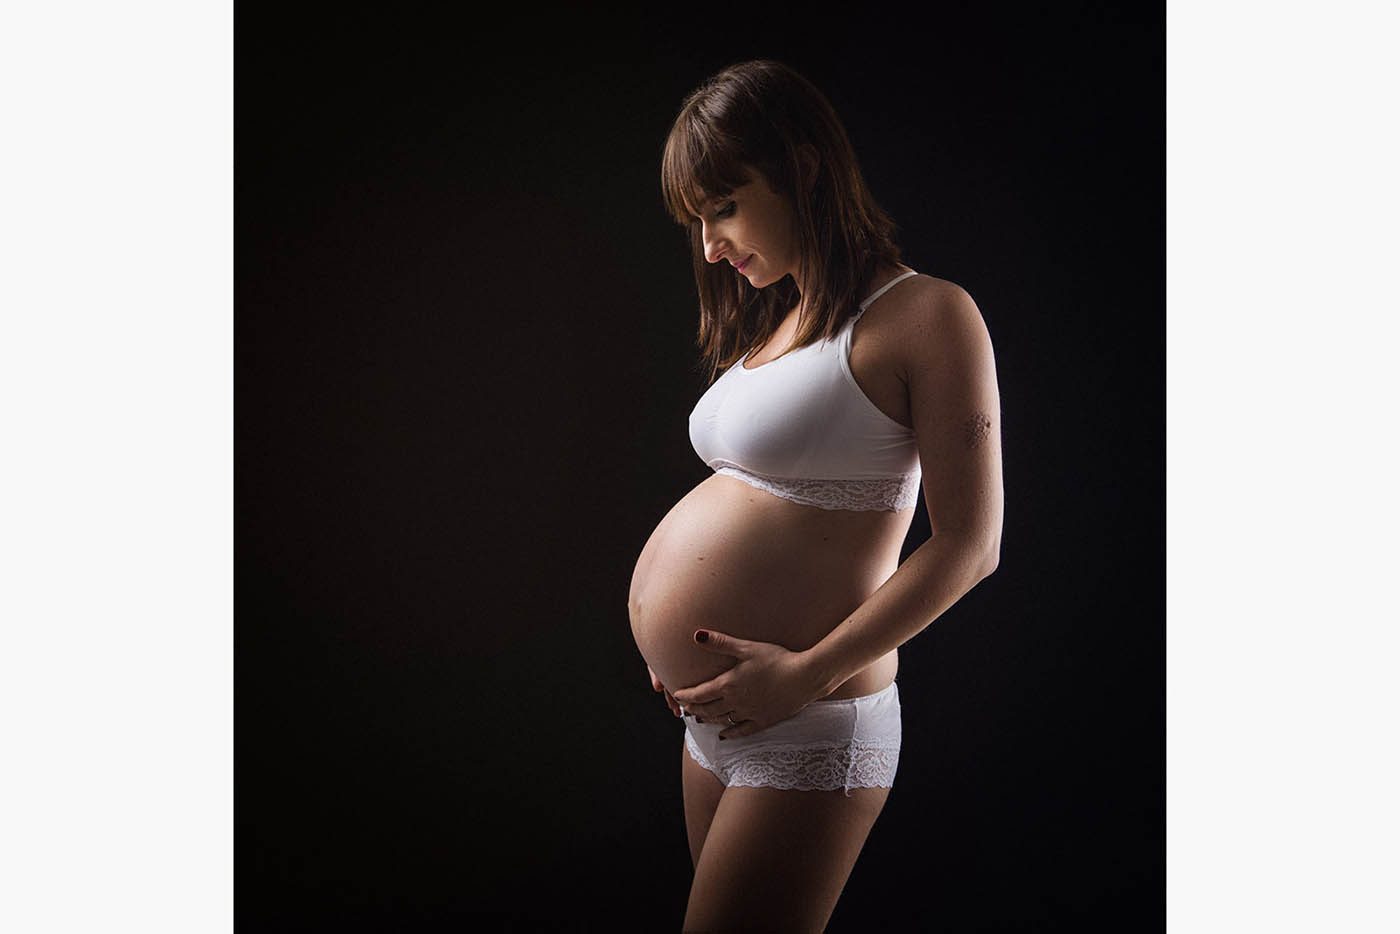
x=761, y=115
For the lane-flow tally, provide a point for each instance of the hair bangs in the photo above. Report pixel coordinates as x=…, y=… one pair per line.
x=698, y=166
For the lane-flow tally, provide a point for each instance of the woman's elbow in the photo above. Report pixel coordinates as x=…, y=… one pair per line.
x=993, y=557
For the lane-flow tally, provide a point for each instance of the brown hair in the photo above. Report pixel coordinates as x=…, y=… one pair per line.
x=762, y=114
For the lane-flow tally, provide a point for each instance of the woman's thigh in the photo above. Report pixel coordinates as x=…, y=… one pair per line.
x=701, y=791
x=776, y=859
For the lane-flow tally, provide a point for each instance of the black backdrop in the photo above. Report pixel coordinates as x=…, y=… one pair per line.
x=464, y=359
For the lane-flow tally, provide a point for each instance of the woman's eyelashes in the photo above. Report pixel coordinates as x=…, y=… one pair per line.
x=723, y=213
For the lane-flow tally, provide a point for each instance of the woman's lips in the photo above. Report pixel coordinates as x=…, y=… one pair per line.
x=740, y=267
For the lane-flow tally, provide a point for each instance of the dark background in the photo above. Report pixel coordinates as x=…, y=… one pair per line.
x=464, y=356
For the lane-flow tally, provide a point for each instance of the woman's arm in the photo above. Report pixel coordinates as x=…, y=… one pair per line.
x=951, y=374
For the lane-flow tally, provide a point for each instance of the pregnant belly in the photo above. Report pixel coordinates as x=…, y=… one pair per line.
x=742, y=561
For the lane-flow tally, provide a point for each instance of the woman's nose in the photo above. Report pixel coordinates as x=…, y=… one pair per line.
x=712, y=245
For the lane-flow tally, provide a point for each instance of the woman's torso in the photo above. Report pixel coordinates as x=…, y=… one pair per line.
x=735, y=558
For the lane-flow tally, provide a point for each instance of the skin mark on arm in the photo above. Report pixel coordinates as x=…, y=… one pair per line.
x=977, y=429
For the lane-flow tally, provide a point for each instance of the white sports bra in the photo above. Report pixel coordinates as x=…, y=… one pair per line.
x=800, y=427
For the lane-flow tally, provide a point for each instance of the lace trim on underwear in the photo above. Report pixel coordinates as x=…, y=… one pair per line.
x=855, y=764
x=697, y=754
x=887, y=493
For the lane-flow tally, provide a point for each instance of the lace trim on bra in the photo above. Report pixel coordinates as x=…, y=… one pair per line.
x=887, y=493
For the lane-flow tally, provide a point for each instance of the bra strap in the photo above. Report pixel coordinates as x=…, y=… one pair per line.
x=884, y=288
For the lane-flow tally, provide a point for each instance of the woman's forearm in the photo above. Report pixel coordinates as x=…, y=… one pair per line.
x=929, y=581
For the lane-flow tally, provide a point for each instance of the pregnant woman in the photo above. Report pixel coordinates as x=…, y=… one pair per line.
x=770, y=602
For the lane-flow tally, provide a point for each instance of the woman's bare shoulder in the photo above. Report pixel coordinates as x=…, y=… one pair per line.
x=929, y=312
x=932, y=287
x=909, y=304
x=926, y=296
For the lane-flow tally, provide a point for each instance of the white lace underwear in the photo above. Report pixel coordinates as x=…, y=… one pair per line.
x=888, y=493
x=829, y=744
x=854, y=764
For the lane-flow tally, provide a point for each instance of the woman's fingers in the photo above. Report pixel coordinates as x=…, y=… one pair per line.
x=656, y=685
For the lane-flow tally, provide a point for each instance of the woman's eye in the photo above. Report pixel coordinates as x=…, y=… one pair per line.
x=727, y=208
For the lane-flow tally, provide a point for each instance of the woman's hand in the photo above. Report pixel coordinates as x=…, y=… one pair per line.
x=656, y=685
x=769, y=684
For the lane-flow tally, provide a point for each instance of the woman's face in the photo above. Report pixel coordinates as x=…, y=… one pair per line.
x=752, y=228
